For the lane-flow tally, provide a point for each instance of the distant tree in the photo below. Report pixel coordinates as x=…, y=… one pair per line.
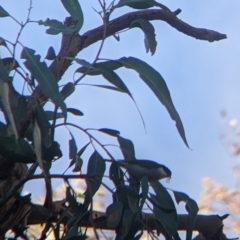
x=28, y=133
x=217, y=198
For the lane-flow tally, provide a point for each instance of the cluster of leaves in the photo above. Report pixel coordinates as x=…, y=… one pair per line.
x=38, y=144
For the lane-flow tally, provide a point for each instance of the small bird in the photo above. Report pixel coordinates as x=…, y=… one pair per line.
x=140, y=168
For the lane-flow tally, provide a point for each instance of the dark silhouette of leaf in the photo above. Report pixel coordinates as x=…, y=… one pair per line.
x=127, y=148
x=72, y=147
x=44, y=76
x=67, y=90
x=3, y=12
x=95, y=171
x=149, y=32
x=109, y=131
x=51, y=55
x=114, y=214
x=17, y=150
x=156, y=83
x=137, y=4
x=75, y=111
x=56, y=27
x=43, y=125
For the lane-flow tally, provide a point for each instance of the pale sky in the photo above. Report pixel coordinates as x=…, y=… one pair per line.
x=202, y=77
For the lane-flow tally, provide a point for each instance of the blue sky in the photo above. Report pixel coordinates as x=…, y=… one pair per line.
x=203, y=79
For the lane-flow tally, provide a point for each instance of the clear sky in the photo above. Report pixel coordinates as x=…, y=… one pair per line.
x=203, y=79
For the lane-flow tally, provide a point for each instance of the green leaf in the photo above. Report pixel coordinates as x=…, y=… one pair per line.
x=95, y=170
x=5, y=99
x=81, y=62
x=44, y=76
x=114, y=214
x=37, y=140
x=43, y=124
x=56, y=27
x=144, y=185
x=164, y=199
x=78, y=164
x=156, y=83
x=192, y=208
x=51, y=115
x=180, y=196
x=6, y=103
x=97, y=67
x=3, y=12
x=137, y=4
x=127, y=148
x=52, y=153
x=168, y=221
x=127, y=220
x=81, y=151
x=75, y=111
x=149, y=32
x=109, y=131
x=116, y=175
x=3, y=73
x=17, y=150
x=105, y=86
x=3, y=129
x=72, y=147
x=67, y=90
x=74, y=9
x=11, y=102
x=51, y=55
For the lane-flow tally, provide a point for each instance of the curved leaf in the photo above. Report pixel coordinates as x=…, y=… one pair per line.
x=95, y=171
x=149, y=32
x=75, y=111
x=67, y=90
x=109, y=131
x=56, y=27
x=74, y=9
x=127, y=148
x=114, y=214
x=44, y=76
x=137, y=4
x=72, y=147
x=51, y=55
x=156, y=83
x=17, y=150
x=3, y=12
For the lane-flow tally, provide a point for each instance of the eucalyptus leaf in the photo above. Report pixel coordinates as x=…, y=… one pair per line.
x=114, y=214
x=95, y=170
x=149, y=32
x=137, y=4
x=67, y=90
x=51, y=55
x=37, y=140
x=17, y=150
x=127, y=148
x=43, y=125
x=109, y=131
x=3, y=12
x=44, y=76
x=72, y=147
x=81, y=62
x=74, y=9
x=56, y=27
x=75, y=111
x=156, y=83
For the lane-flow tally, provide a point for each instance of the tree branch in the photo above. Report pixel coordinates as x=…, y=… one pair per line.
x=209, y=226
